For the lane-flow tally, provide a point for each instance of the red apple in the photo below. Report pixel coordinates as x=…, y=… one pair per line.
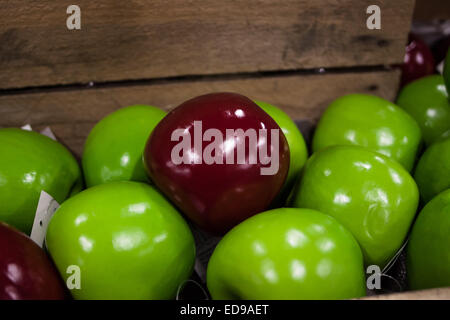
x=418, y=61
x=26, y=273
x=220, y=158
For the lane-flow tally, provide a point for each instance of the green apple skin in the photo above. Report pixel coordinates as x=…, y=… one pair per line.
x=447, y=71
x=428, y=251
x=127, y=239
x=297, y=146
x=433, y=170
x=114, y=148
x=426, y=100
x=30, y=163
x=287, y=253
x=373, y=196
x=372, y=122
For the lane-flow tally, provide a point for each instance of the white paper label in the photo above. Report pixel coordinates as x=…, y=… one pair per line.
x=45, y=210
x=440, y=67
x=26, y=127
x=48, y=132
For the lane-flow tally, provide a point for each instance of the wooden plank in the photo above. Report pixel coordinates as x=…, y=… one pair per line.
x=72, y=113
x=430, y=294
x=142, y=39
x=428, y=10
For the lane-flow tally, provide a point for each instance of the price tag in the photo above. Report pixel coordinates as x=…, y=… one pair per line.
x=44, y=212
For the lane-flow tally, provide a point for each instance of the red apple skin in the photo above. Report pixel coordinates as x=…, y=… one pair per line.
x=418, y=61
x=26, y=273
x=216, y=196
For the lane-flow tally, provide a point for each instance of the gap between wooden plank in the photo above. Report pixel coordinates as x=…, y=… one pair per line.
x=72, y=113
x=190, y=78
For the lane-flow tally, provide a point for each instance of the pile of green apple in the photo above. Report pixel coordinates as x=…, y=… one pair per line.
x=378, y=174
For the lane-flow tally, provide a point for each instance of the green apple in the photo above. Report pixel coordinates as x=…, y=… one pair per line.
x=30, y=163
x=372, y=195
x=433, y=170
x=127, y=239
x=428, y=252
x=287, y=253
x=447, y=71
x=369, y=121
x=297, y=146
x=114, y=148
x=426, y=100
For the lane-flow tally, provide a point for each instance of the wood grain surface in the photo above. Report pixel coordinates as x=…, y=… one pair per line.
x=72, y=113
x=140, y=39
x=430, y=294
x=428, y=10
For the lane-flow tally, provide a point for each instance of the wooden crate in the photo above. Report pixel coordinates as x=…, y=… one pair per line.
x=430, y=294
x=164, y=52
x=429, y=10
